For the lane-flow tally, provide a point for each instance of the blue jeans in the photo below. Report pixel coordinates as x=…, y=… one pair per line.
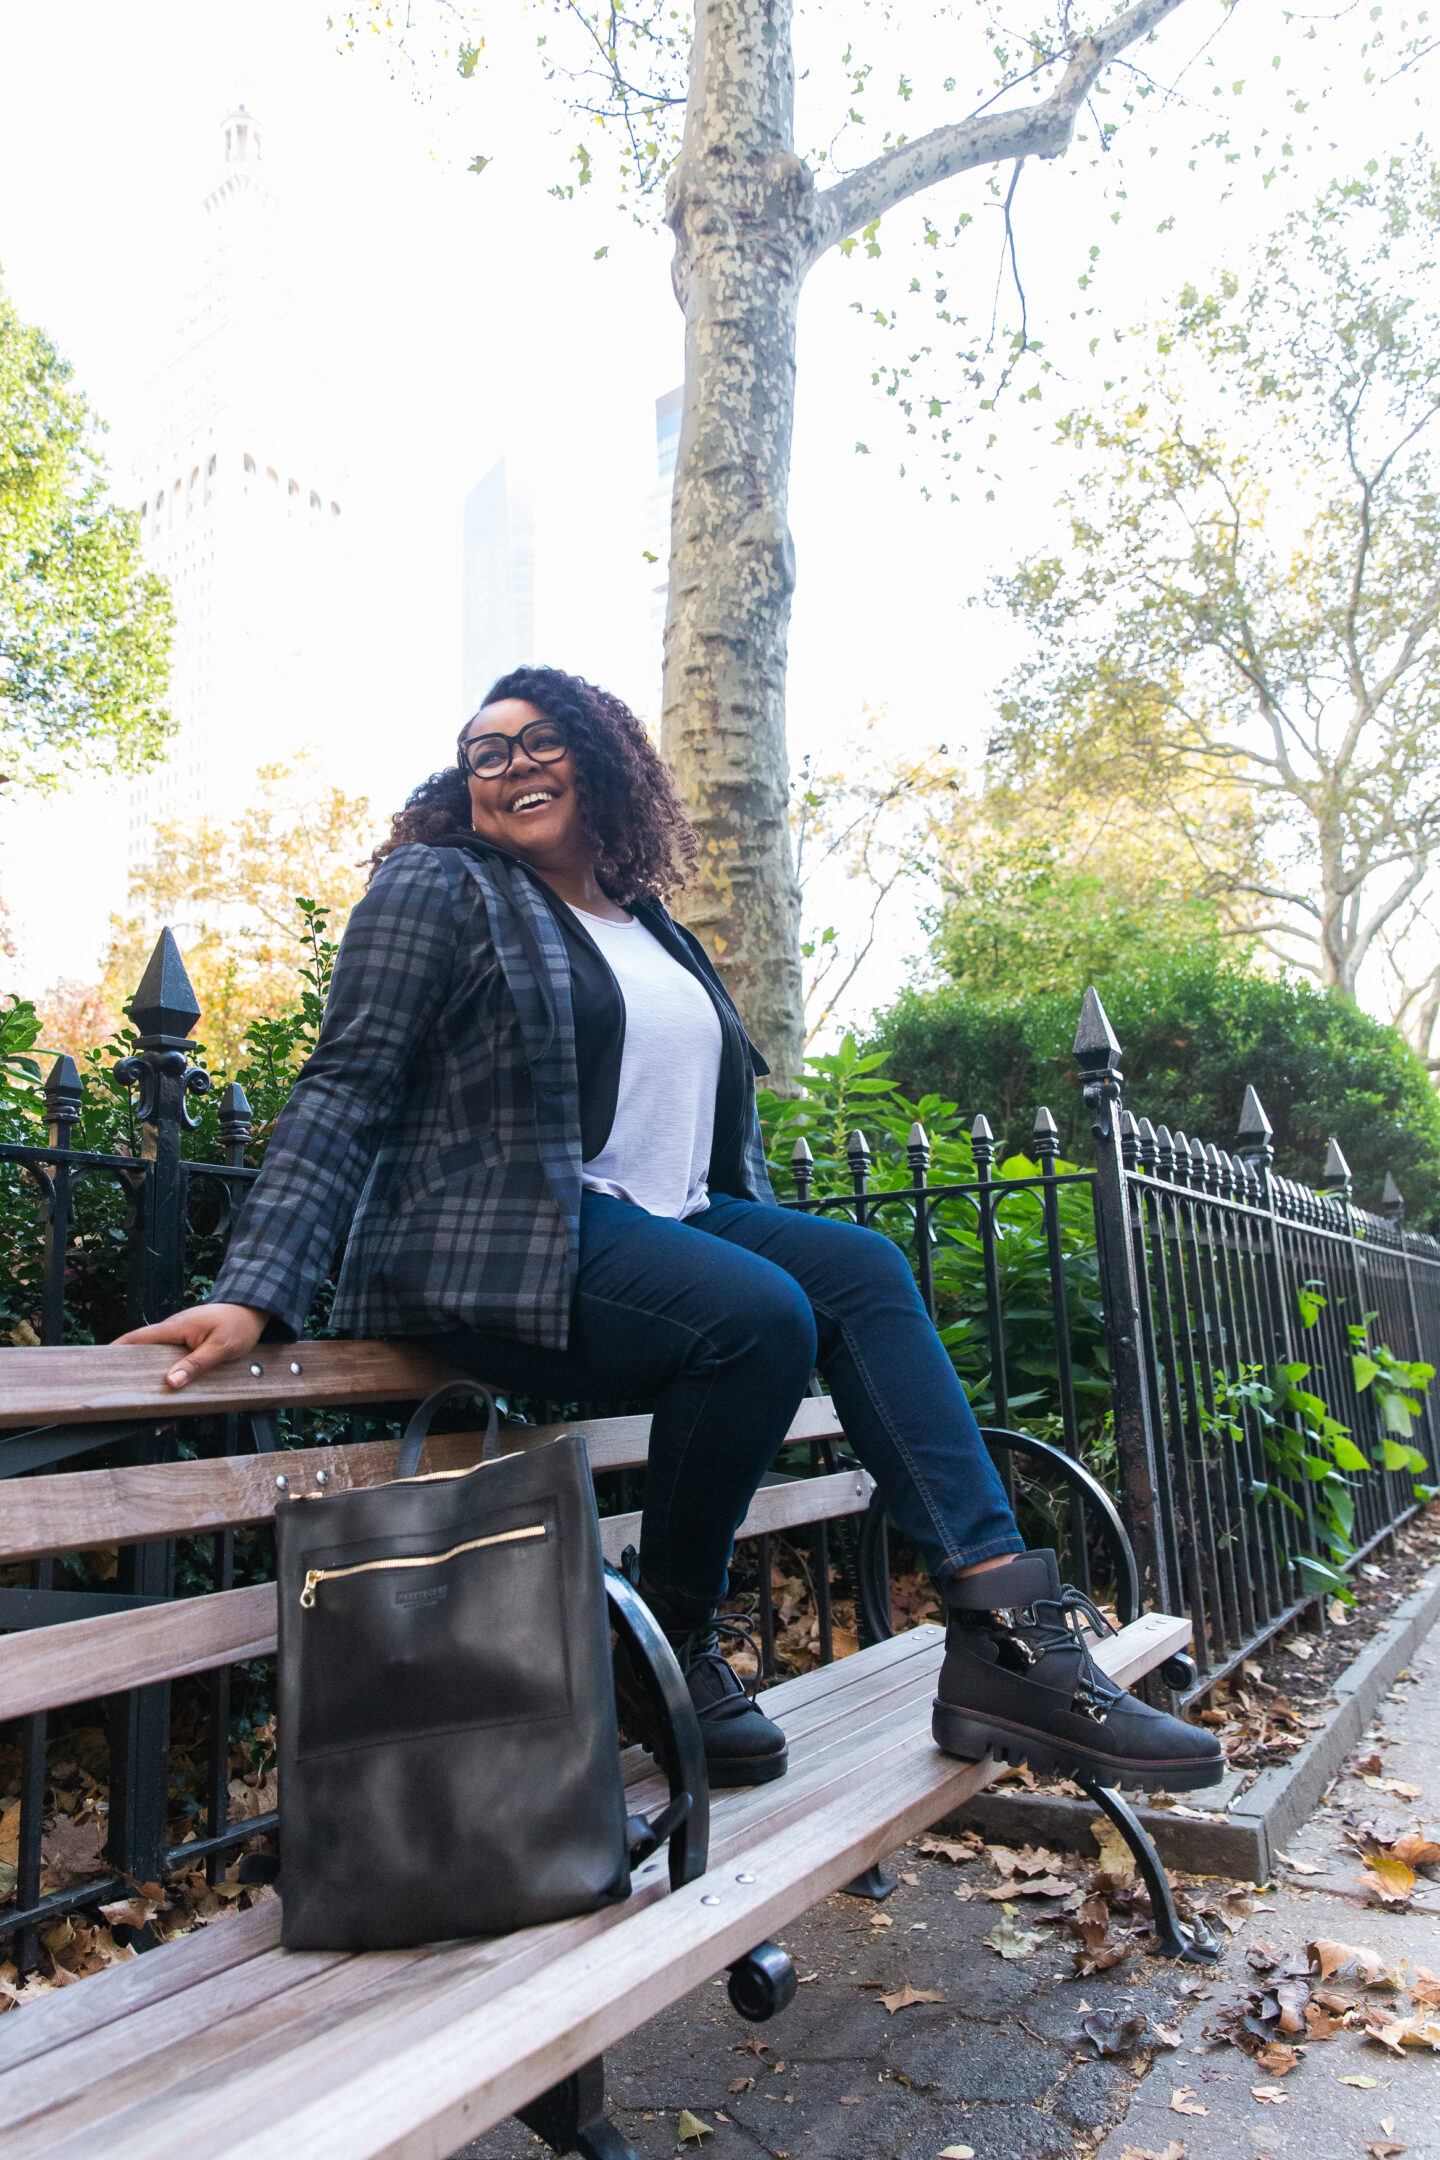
x=720, y=1321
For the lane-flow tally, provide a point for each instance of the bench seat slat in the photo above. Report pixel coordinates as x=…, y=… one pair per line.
x=80, y=1509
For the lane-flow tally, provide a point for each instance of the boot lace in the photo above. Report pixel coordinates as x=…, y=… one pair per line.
x=700, y=1648
x=1056, y=1624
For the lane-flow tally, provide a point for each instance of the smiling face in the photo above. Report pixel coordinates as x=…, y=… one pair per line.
x=531, y=810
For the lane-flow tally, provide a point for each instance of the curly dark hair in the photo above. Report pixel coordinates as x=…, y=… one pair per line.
x=644, y=844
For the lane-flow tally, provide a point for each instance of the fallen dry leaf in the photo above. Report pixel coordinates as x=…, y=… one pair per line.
x=957, y=2152
x=1425, y=1988
x=1183, y=2102
x=1366, y=2084
x=1167, y=2035
x=1039, y=1886
x=1112, y=2032
x=1175, y=2150
x=1401, y=1790
x=1369, y=1766
x=1389, y=1879
x=909, y=1876
x=690, y=2126
x=1011, y=1941
x=953, y=1849
x=71, y=1849
x=880, y=1919
x=1415, y=1849
x=1322, y=2024
x=1271, y=2094
x=1278, y=2059
x=1116, y=1857
x=1303, y=1650
x=903, y=1997
x=1333, y=1957
x=852, y=2099
x=1300, y=1867
x=738, y=2085
x=136, y=1912
x=1383, y=2148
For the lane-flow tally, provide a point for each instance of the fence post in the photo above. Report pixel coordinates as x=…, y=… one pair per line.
x=1097, y=1054
x=164, y=1012
x=63, y=1097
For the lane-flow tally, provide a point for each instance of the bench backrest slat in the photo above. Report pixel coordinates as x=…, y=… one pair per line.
x=79, y=1659
x=77, y=1510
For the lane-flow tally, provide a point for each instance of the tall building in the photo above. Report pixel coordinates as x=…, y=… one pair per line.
x=657, y=502
x=243, y=514
x=499, y=588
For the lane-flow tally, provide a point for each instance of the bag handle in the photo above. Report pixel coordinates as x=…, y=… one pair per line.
x=412, y=1440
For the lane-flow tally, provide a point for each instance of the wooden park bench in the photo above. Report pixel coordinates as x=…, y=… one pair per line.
x=220, y=2044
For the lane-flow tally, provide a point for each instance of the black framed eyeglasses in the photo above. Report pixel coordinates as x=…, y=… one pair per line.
x=488, y=756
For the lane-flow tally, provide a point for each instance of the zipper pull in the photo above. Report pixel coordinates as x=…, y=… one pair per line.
x=307, y=1595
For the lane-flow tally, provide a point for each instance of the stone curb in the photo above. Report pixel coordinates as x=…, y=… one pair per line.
x=1255, y=1828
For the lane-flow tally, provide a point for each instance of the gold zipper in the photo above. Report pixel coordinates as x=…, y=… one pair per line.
x=315, y=1576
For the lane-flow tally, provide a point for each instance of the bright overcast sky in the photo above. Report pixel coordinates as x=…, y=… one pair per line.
x=451, y=318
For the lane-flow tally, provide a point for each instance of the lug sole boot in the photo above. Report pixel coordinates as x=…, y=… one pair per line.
x=1018, y=1683
x=742, y=1746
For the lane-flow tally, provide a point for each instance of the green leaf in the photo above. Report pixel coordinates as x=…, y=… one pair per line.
x=1323, y=1576
x=1395, y=1409
x=1398, y=1457
x=1365, y=1370
x=1347, y=1455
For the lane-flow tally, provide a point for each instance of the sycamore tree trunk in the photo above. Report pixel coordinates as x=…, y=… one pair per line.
x=749, y=222
x=736, y=207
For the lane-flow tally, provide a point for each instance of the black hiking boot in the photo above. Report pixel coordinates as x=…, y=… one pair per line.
x=1018, y=1683
x=742, y=1746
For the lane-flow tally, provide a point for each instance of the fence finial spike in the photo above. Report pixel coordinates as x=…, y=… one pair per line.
x=1254, y=1125
x=1337, y=1170
x=980, y=1130
x=165, y=1003
x=1392, y=1200
x=64, y=1091
x=801, y=1150
x=1097, y=1047
x=1045, y=1124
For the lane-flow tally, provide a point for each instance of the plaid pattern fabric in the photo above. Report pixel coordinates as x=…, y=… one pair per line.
x=438, y=1120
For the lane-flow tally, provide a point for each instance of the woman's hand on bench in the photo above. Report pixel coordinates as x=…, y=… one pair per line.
x=213, y=1334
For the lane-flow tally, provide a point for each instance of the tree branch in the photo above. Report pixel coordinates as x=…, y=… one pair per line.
x=988, y=139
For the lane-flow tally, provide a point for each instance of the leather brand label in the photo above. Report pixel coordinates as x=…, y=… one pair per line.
x=431, y=1595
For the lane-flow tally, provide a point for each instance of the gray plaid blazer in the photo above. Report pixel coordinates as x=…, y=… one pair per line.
x=439, y=1119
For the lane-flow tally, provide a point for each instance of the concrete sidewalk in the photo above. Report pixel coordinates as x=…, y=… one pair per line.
x=1322, y=2117
x=1001, y=2066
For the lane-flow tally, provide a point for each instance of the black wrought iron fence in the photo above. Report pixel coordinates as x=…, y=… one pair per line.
x=1148, y=1314
x=1243, y=1312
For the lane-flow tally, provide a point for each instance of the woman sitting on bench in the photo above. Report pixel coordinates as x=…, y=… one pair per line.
x=533, y=1105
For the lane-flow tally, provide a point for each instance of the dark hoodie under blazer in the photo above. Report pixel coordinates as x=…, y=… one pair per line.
x=440, y=1116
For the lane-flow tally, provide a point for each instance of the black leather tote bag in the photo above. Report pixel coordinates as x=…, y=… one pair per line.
x=449, y=1760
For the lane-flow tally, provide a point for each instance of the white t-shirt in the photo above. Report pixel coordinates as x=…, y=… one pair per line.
x=658, y=1152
